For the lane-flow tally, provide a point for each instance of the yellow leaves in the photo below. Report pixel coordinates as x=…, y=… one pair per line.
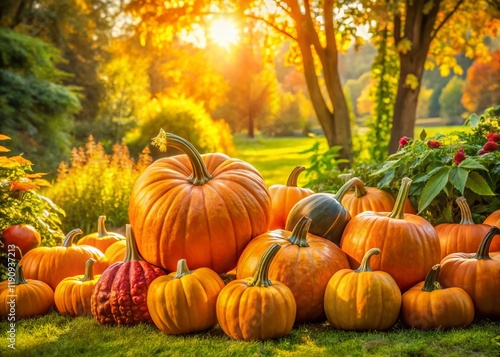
x=411, y=81
x=3, y=149
x=14, y=161
x=4, y=137
x=429, y=65
x=404, y=46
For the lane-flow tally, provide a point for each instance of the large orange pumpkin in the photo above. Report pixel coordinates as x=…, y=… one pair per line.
x=202, y=208
x=493, y=219
x=101, y=239
x=305, y=263
x=53, y=264
x=465, y=236
x=284, y=197
x=410, y=243
x=477, y=273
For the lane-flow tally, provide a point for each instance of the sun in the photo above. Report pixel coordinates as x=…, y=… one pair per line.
x=224, y=33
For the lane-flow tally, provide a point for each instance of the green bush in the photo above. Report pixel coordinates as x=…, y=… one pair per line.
x=96, y=183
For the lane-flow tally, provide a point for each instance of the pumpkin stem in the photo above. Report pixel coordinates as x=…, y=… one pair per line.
x=101, y=227
x=89, y=270
x=200, y=173
x=346, y=187
x=299, y=233
x=365, y=263
x=131, y=252
x=182, y=269
x=484, y=246
x=19, y=279
x=68, y=241
x=294, y=176
x=431, y=282
x=399, y=206
x=261, y=276
x=345, y=177
x=464, y=211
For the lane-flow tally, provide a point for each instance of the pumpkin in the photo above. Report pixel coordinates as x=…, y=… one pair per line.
x=116, y=251
x=329, y=217
x=365, y=198
x=53, y=264
x=72, y=294
x=23, y=237
x=284, y=197
x=20, y=297
x=464, y=236
x=493, y=219
x=362, y=299
x=305, y=263
x=477, y=273
x=410, y=243
x=120, y=295
x=256, y=308
x=184, y=301
x=101, y=239
x=427, y=305
x=202, y=208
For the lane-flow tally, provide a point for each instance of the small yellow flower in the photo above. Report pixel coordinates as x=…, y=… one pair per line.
x=160, y=141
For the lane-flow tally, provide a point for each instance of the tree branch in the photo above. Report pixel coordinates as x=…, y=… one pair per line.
x=446, y=18
x=273, y=25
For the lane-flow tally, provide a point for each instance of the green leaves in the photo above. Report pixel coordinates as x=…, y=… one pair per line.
x=433, y=187
x=478, y=184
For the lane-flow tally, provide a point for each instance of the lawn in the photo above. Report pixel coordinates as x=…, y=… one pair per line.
x=54, y=335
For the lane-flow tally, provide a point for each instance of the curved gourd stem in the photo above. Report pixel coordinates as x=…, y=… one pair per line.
x=466, y=215
x=431, y=282
x=346, y=187
x=131, y=251
x=200, y=173
x=19, y=279
x=399, y=205
x=182, y=269
x=294, y=176
x=345, y=177
x=101, y=227
x=89, y=270
x=484, y=246
x=261, y=276
x=68, y=241
x=365, y=263
x=300, y=231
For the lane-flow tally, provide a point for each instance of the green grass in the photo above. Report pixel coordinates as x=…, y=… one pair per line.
x=55, y=335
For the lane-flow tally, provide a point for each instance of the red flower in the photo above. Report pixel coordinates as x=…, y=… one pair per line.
x=459, y=157
x=490, y=146
x=433, y=144
x=404, y=141
x=493, y=137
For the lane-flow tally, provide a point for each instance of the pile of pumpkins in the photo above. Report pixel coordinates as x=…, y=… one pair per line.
x=360, y=258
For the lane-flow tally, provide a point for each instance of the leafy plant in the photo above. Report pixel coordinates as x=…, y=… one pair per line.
x=96, y=183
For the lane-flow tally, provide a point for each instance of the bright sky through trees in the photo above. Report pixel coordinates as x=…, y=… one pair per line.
x=224, y=32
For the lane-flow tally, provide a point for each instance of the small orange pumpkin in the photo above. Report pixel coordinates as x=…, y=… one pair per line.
x=465, y=236
x=477, y=273
x=284, y=197
x=101, y=239
x=53, y=264
x=22, y=297
x=184, y=301
x=116, y=252
x=72, y=294
x=362, y=299
x=256, y=308
x=493, y=219
x=427, y=305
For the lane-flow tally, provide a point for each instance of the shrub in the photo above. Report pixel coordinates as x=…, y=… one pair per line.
x=95, y=184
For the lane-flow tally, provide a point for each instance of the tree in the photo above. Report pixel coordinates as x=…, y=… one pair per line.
x=449, y=100
x=482, y=86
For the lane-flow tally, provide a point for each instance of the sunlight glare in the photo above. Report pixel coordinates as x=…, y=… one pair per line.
x=224, y=33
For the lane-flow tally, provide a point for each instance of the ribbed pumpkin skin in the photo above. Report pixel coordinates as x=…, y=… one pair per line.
x=53, y=264
x=305, y=270
x=329, y=217
x=374, y=200
x=439, y=308
x=72, y=294
x=462, y=238
x=477, y=273
x=101, y=239
x=116, y=252
x=210, y=224
x=120, y=295
x=493, y=219
x=362, y=301
x=186, y=304
x=284, y=197
x=33, y=298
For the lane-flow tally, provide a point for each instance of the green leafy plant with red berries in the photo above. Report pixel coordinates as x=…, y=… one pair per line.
x=444, y=167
